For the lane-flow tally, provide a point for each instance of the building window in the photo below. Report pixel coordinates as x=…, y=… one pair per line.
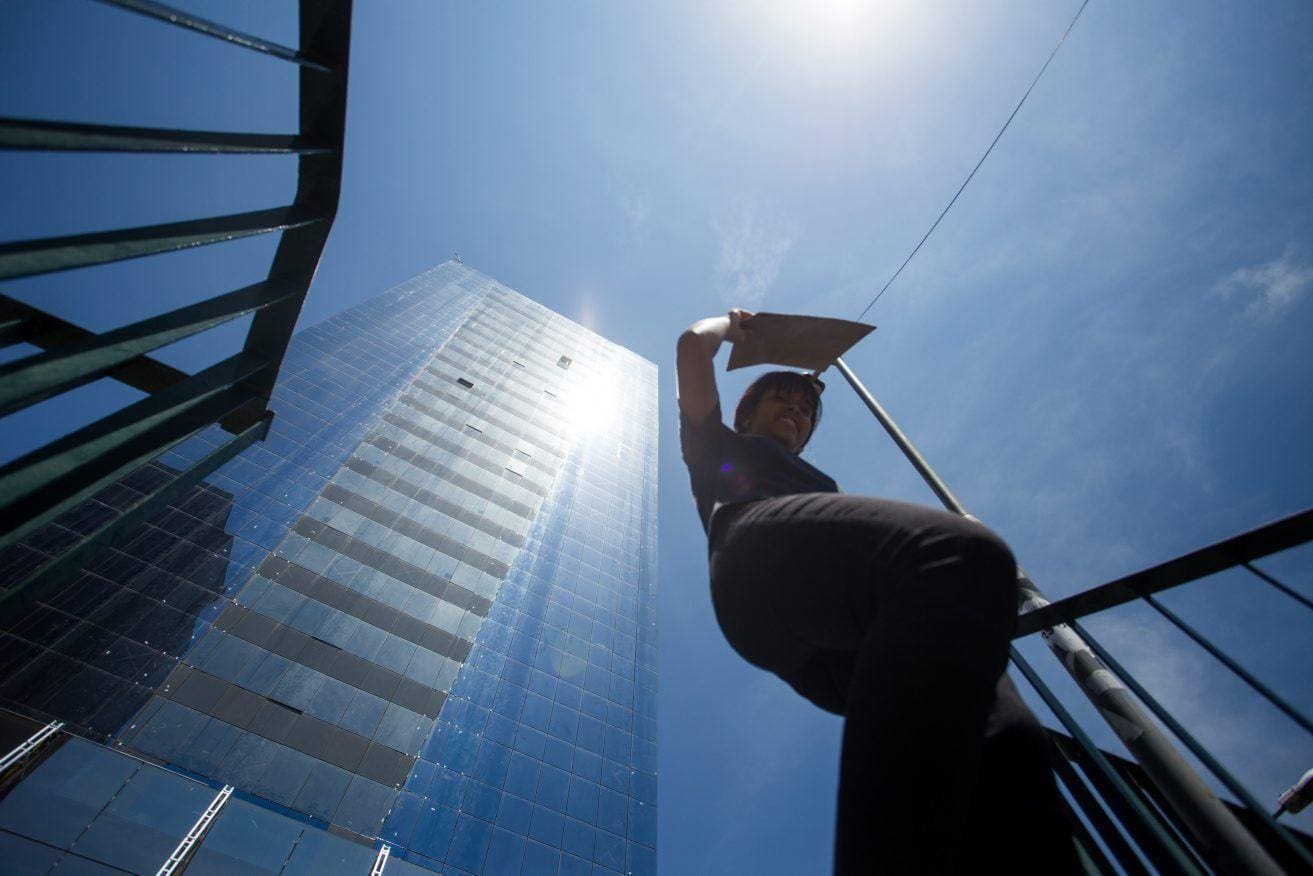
x=465, y=383
x=564, y=361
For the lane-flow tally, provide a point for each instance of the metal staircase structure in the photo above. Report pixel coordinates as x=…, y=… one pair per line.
x=234, y=393
x=1156, y=813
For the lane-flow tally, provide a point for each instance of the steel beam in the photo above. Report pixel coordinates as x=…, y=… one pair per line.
x=326, y=35
x=25, y=258
x=27, y=381
x=39, y=135
x=40, y=486
x=27, y=324
x=180, y=18
x=234, y=393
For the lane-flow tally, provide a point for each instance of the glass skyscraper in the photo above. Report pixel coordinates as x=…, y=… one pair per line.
x=414, y=629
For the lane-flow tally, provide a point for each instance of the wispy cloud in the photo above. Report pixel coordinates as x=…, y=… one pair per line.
x=634, y=203
x=753, y=245
x=1275, y=286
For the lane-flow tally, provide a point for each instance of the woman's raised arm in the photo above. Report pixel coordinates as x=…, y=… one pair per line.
x=695, y=361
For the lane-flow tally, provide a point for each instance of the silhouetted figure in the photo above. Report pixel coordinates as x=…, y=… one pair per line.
x=894, y=615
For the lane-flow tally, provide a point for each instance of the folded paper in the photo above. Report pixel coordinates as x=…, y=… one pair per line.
x=810, y=342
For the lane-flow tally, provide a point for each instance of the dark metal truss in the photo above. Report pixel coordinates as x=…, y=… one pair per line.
x=234, y=393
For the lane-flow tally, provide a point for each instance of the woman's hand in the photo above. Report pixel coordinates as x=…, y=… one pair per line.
x=738, y=319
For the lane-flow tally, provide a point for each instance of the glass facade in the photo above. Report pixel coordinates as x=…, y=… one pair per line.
x=421, y=615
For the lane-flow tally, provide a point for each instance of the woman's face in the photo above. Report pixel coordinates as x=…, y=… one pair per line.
x=785, y=416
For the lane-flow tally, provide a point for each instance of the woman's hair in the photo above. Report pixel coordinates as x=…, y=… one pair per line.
x=784, y=381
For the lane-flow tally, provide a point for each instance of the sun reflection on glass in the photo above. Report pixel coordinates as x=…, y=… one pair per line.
x=593, y=404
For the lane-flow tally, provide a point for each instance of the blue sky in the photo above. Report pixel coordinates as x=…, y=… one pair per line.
x=1103, y=349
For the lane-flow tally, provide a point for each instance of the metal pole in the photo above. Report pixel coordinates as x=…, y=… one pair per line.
x=1223, y=841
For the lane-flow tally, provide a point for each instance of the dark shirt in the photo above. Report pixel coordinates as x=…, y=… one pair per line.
x=726, y=467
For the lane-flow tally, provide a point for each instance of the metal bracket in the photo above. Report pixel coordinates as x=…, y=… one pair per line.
x=196, y=834
x=31, y=744
x=381, y=861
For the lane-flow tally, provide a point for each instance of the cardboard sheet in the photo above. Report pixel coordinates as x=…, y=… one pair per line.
x=810, y=342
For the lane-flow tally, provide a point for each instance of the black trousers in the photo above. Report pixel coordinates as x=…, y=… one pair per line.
x=899, y=618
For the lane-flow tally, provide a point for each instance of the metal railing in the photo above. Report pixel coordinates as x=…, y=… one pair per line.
x=1291, y=851
x=1155, y=814
x=1115, y=825
x=43, y=484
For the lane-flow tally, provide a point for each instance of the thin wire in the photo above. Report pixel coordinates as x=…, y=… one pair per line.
x=997, y=137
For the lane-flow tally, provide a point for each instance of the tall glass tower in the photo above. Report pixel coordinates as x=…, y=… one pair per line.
x=414, y=629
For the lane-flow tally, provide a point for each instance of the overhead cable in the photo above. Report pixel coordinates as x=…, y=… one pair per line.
x=978, y=163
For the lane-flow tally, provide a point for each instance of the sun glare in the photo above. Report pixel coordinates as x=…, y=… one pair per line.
x=832, y=35
x=825, y=18
x=820, y=24
x=593, y=405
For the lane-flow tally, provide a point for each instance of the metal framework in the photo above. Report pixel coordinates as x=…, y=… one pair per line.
x=234, y=393
x=381, y=860
x=1155, y=814
x=29, y=745
x=178, y=860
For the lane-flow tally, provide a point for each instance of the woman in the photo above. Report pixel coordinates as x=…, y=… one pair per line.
x=896, y=616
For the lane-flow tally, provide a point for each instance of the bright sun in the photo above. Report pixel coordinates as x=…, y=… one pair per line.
x=818, y=23
x=821, y=34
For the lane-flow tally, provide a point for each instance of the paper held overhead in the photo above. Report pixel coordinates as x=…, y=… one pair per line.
x=811, y=342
